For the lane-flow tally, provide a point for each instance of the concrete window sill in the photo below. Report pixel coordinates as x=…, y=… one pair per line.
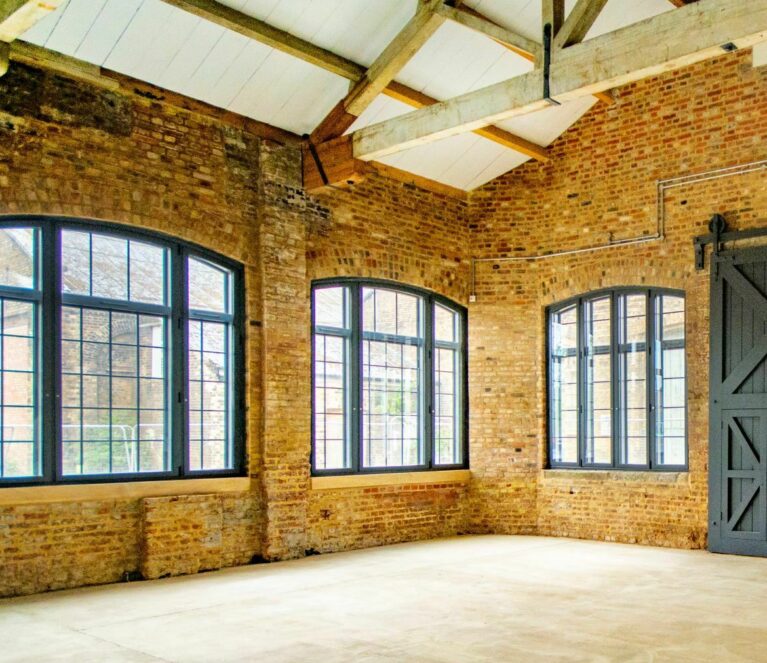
x=125, y=490
x=390, y=479
x=650, y=477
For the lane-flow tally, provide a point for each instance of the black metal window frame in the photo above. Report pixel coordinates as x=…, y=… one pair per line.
x=50, y=300
x=652, y=295
x=355, y=335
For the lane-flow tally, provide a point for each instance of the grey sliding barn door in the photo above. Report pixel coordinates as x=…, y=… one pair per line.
x=738, y=403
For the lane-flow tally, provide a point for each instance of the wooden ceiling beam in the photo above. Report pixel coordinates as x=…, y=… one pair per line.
x=496, y=134
x=17, y=16
x=262, y=32
x=395, y=56
x=553, y=12
x=578, y=22
x=654, y=46
x=343, y=114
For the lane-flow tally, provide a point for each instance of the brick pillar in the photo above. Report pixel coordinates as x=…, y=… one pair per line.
x=286, y=362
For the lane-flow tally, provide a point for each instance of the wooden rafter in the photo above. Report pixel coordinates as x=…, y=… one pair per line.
x=578, y=22
x=496, y=134
x=378, y=76
x=553, y=11
x=395, y=56
x=258, y=30
x=343, y=115
x=662, y=43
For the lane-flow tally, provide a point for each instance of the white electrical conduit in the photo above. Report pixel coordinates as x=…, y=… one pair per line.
x=661, y=187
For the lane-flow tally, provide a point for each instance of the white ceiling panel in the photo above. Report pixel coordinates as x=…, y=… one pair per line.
x=524, y=16
x=299, y=95
x=225, y=68
x=382, y=108
x=457, y=60
x=356, y=29
x=105, y=31
x=460, y=161
x=73, y=25
x=545, y=126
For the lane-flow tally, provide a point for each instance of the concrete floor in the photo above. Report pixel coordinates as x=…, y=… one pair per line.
x=490, y=598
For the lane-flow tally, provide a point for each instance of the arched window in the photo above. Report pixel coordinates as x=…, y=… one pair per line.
x=389, y=378
x=117, y=355
x=617, y=381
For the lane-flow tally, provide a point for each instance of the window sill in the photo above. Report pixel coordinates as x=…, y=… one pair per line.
x=125, y=490
x=390, y=479
x=633, y=476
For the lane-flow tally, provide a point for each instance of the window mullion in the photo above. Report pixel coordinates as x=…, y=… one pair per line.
x=617, y=403
x=581, y=379
x=429, y=383
x=355, y=378
x=50, y=314
x=178, y=391
x=652, y=303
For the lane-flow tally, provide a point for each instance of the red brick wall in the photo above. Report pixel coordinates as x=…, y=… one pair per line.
x=389, y=230
x=70, y=149
x=601, y=184
x=73, y=150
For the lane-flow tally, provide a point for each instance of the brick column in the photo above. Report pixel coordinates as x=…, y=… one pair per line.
x=286, y=361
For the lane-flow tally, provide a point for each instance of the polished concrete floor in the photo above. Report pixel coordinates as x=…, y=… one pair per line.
x=490, y=598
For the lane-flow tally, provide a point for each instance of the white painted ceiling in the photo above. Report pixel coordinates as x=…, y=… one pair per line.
x=154, y=42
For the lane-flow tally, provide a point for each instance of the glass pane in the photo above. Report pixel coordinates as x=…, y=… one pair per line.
x=147, y=273
x=408, y=314
x=632, y=378
x=107, y=405
x=392, y=379
x=390, y=312
x=564, y=386
x=210, y=402
x=19, y=388
x=447, y=407
x=208, y=287
x=76, y=262
x=331, y=307
x=331, y=402
x=670, y=381
x=445, y=324
x=18, y=257
x=598, y=382
x=109, y=267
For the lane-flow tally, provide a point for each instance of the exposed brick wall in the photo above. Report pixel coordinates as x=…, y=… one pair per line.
x=74, y=150
x=68, y=544
x=68, y=149
x=388, y=230
x=601, y=184
x=197, y=533
x=376, y=516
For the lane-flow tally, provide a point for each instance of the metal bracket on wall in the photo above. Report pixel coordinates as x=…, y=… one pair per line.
x=547, y=36
x=718, y=235
x=316, y=157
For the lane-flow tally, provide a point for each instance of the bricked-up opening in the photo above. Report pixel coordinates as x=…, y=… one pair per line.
x=117, y=359
x=389, y=379
x=617, y=381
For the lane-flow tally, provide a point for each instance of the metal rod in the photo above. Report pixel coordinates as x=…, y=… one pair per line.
x=660, y=229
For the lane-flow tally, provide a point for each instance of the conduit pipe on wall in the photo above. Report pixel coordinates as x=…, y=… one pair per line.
x=660, y=228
